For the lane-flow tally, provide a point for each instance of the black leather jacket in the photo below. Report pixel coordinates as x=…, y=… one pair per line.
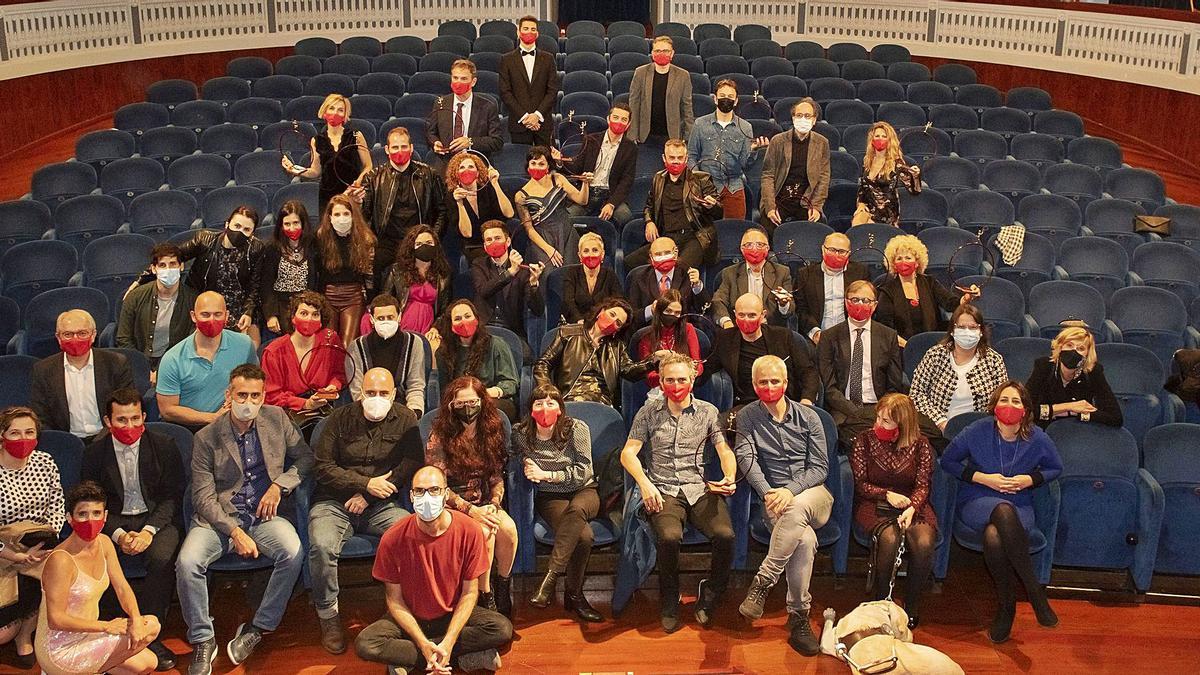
x=202, y=277
x=569, y=352
x=381, y=187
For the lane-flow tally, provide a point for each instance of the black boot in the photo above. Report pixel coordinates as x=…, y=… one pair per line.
x=577, y=604
x=1001, y=626
x=502, y=590
x=1041, y=607
x=801, y=638
x=487, y=600
x=546, y=591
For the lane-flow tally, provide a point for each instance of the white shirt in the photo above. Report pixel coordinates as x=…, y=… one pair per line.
x=134, y=503
x=834, y=311
x=754, y=281
x=80, y=384
x=466, y=112
x=963, y=400
x=528, y=61
x=608, y=152
x=868, y=384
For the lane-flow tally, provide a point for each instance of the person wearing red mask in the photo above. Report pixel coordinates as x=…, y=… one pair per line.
x=461, y=121
x=32, y=489
x=660, y=97
x=910, y=300
x=589, y=282
x=141, y=474
x=665, y=271
x=736, y=348
x=682, y=205
x=884, y=172
x=611, y=157
x=462, y=345
x=674, y=492
x=289, y=266
x=783, y=444
x=154, y=317
x=506, y=288
x=333, y=162
x=77, y=573
x=821, y=287
x=542, y=208
x=1000, y=460
x=68, y=389
x=306, y=369
x=770, y=281
x=529, y=85
x=193, y=374
x=477, y=198
x=893, y=477
x=556, y=452
x=669, y=331
x=230, y=262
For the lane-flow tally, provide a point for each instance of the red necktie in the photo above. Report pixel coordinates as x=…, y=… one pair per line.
x=458, y=121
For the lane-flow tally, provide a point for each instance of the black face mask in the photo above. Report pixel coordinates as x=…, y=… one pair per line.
x=1070, y=358
x=237, y=238
x=467, y=414
x=726, y=105
x=669, y=320
x=425, y=252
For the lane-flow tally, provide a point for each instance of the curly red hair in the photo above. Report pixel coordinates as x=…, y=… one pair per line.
x=483, y=456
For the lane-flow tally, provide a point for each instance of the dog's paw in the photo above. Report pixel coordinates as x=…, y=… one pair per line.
x=830, y=614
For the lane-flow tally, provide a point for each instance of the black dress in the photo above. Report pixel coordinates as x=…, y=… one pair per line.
x=489, y=209
x=881, y=195
x=338, y=169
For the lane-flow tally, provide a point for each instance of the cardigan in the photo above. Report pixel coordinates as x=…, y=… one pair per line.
x=934, y=381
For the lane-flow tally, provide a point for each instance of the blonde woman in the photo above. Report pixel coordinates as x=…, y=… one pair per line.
x=586, y=284
x=477, y=198
x=1070, y=383
x=884, y=171
x=328, y=163
x=911, y=301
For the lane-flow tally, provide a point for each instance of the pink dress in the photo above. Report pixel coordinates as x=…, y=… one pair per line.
x=64, y=652
x=418, y=312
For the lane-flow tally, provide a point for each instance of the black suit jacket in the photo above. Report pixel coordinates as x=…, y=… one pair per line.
x=48, y=389
x=483, y=128
x=810, y=291
x=578, y=302
x=893, y=308
x=624, y=165
x=520, y=96
x=495, y=286
x=781, y=342
x=160, y=473
x=833, y=358
x=642, y=283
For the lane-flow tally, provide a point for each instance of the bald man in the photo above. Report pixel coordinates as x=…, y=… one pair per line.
x=821, y=286
x=665, y=271
x=366, y=453
x=750, y=337
x=769, y=280
x=68, y=390
x=193, y=375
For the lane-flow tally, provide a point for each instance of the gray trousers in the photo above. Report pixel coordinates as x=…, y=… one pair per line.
x=794, y=544
x=330, y=526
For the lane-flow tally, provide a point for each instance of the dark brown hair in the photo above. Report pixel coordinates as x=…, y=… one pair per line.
x=562, y=428
x=451, y=350
x=293, y=207
x=406, y=262
x=122, y=396
x=312, y=299
x=16, y=412
x=976, y=314
x=362, y=240
x=480, y=457
x=85, y=491
x=163, y=250
x=1026, y=427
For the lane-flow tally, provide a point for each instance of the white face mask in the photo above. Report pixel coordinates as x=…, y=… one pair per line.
x=386, y=328
x=429, y=508
x=168, y=276
x=802, y=124
x=376, y=408
x=966, y=338
x=245, y=412
x=342, y=224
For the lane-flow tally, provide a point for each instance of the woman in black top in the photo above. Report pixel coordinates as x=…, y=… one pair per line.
x=477, y=198
x=911, y=301
x=588, y=283
x=230, y=262
x=345, y=250
x=884, y=171
x=337, y=170
x=289, y=267
x=1070, y=382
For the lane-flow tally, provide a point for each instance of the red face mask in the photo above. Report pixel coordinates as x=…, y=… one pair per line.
x=335, y=120
x=77, y=346
x=677, y=392
x=607, y=324
x=307, y=327
x=835, y=262
x=886, y=435
x=20, y=447
x=460, y=88
x=591, y=261
x=754, y=256
x=128, y=435
x=293, y=234
x=880, y=144
x=210, y=327
x=1008, y=414
x=859, y=312
x=905, y=268
x=87, y=530
x=618, y=128
x=661, y=59
x=538, y=174
x=467, y=177
x=663, y=265
x=748, y=326
x=496, y=248
x=546, y=417
x=465, y=329
x=400, y=158
x=675, y=168
x=528, y=38
x=770, y=393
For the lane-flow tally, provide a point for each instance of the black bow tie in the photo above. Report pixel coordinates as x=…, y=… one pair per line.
x=525, y=53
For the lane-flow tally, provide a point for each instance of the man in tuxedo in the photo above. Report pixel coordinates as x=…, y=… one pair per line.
x=648, y=283
x=821, y=286
x=529, y=87
x=770, y=281
x=611, y=157
x=142, y=475
x=682, y=205
x=68, y=389
x=465, y=121
x=660, y=97
x=737, y=348
x=859, y=360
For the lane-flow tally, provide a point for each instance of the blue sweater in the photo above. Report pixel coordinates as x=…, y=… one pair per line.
x=979, y=448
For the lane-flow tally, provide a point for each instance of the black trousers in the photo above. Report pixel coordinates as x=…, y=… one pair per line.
x=540, y=137
x=154, y=592
x=691, y=253
x=386, y=642
x=709, y=515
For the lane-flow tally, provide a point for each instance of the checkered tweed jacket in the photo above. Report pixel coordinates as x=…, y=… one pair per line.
x=934, y=380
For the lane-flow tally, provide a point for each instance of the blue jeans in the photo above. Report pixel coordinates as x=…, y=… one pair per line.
x=276, y=539
x=330, y=526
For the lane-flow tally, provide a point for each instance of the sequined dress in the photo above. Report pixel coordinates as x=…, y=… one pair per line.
x=64, y=652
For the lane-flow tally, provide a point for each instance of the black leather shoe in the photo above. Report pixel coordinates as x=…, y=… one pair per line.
x=27, y=661
x=578, y=605
x=669, y=615
x=166, y=658
x=545, y=592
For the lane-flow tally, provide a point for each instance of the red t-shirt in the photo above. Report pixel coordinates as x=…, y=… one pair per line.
x=431, y=570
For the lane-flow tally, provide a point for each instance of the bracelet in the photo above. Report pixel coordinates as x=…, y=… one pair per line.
x=1084, y=417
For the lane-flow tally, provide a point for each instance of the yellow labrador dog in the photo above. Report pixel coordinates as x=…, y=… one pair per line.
x=874, y=639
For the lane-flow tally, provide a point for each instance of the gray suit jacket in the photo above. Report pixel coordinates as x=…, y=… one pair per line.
x=217, y=465
x=779, y=160
x=679, y=103
x=735, y=282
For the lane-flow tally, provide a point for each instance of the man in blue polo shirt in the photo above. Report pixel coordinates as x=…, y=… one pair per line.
x=193, y=374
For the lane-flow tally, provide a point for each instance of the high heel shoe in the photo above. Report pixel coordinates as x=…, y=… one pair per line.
x=545, y=592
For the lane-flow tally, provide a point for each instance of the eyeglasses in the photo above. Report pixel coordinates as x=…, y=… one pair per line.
x=836, y=251
x=72, y=334
x=661, y=51
x=465, y=404
x=861, y=301
x=970, y=327
x=805, y=116
x=756, y=245
x=435, y=491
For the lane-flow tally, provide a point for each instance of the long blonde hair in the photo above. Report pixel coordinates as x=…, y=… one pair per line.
x=892, y=156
